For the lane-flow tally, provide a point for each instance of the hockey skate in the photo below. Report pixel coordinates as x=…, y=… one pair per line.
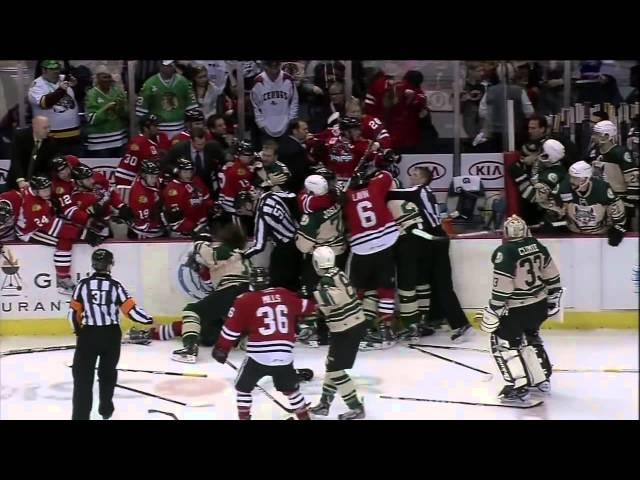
x=543, y=388
x=139, y=337
x=380, y=340
x=411, y=333
x=321, y=409
x=357, y=413
x=65, y=285
x=308, y=337
x=511, y=394
x=186, y=355
x=462, y=334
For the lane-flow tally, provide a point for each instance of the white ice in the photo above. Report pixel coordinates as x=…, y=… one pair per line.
x=39, y=385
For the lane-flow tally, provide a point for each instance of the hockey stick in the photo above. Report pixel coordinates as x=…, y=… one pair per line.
x=156, y=372
x=51, y=349
x=449, y=348
x=479, y=404
x=488, y=375
x=169, y=414
x=288, y=410
x=605, y=370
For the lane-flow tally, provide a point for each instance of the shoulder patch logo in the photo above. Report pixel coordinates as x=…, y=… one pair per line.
x=499, y=257
x=553, y=177
x=627, y=157
x=135, y=147
x=610, y=193
x=172, y=192
x=142, y=199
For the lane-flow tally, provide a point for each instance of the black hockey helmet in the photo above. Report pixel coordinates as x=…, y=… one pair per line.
x=58, y=164
x=245, y=148
x=149, y=167
x=193, y=116
x=360, y=178
x=147, y=121
x=81, y=172
x=347, y=123
x=259, y=278
x=39, y=183
x=325, y=173
x=184, y=164
x=102, y=260
x=389, y=163
x=6, y=211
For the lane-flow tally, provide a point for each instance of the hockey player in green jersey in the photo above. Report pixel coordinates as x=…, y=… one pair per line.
x=167, y=95
x=526, y=291
x=591, y=206
x=616, y=165
x=542, y=189
x=338, y=303
x=107, y=112
x=269, y=172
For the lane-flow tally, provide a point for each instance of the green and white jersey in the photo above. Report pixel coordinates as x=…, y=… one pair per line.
x=544, y=188
x=323, y=228
x=593, y=211
x=107, y=126
x=338, y=302
x=226, y=266
x=620, y=170
x=523, y=272
x=168, y=100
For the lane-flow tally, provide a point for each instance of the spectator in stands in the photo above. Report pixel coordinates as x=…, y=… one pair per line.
x=218, y=129
x=602, y=89
x=492, y=109
x=634, y=82
x=410, y=105
x=470, y=100
x=207, y=157
x=107, y=112
x=192, y=119
x=31, y=152
x=167, y=95
x=275, y=100
x=207, y=93
x=51, y=96
x=293, y=154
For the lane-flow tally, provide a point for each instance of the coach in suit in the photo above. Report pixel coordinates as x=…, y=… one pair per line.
x=293, y=154
x=31, y=152
x=207, y=157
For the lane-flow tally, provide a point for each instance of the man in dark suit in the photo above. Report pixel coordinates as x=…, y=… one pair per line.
x=208, y=157
x=31, y=151
x=293, y=154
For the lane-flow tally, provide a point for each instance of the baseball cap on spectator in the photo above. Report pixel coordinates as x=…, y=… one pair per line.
x=51, y=64
x=168, y=62
x=102, y=68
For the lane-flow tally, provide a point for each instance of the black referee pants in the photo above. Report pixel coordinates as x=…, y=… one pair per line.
x=94, y=342
x=285, y=264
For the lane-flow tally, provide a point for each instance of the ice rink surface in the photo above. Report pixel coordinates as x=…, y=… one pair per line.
x=39, y=385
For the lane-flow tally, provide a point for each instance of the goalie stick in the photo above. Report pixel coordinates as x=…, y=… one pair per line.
x=477, y=404
x=487, y=375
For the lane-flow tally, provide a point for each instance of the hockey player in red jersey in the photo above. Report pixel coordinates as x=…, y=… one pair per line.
x=372, y=234
x=63, y=184
x=145, y=202
x=10, y=203
x=372, y=127
x=192, y=119
x=235, y=178
x=186, y=200
x=38, y=223
x=149, y=144
x=268, y=316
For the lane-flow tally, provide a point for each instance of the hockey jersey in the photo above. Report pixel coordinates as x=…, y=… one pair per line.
x=8, y=229
x=192, y=199
x=83, y=200
x=544, y=188
x=275, y=103
x=168, y=100
x=107, y=114
x=269, y=318
x=369, y=221
x=373, y=129
x=523, y=273
x=62, y=114
x=309, y=203
x=185, y=136
x=618, y=168
x=146, y=205
x=226, y=266
x=338, y=302
x=321, y=228
x=140, y=148
x=35, y=214
x=344, y=156
x=234, y=178
x=406, y=214
x=595, y=210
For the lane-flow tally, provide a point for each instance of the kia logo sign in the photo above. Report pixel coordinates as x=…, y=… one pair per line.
x=437, y=169
x=487, y=170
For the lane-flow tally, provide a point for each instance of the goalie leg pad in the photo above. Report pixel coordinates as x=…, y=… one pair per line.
x=535, y=341
x=535, y=372
x=509, y=361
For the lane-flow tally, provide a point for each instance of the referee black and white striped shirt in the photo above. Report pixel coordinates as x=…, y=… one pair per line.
x=97, y=299
x=423, y=197
x=273, y=220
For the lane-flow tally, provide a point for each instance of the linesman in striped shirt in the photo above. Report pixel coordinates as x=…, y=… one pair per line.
x=95, y=320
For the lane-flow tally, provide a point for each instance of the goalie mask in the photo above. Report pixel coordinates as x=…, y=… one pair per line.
x=552, y=152
x=515, y=229
x=605, y=132
x=580, y=176
x=323, y=259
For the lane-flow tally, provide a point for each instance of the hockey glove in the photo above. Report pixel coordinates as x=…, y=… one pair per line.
x=517, y=172
x=553, y=301
x=219, y=355
x=490, y=320
x=98, y=211
x=125, y=213
x=93, y=238
x=615, y=234
x=173, y=216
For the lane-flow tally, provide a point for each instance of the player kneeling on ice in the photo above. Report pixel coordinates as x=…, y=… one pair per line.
x=526, y=291
x=342, y=311
x=268, y=316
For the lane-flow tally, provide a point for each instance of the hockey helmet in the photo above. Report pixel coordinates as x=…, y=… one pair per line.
x=580, y=175
x=515, y=229
x=605, y=131
x=348, y=123
x=6, y=211
x=323, y=258
x=193, y=115
x=552, y=152
x=148, y=121
x=149, y=167
x=81, y=172
x=245, y=149
x=259, y=278
x=102, y=260
x=184, y=164
x=389, y=163
x=325, y=173
x=58, y=164
x=316, y=184
x=39, y=183
x=360, y=178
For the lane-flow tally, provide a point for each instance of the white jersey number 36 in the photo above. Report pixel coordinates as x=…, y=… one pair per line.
x=366, y=214
x=274, y=319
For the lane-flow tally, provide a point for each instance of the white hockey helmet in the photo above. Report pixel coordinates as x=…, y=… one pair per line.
x=316, y=184
x=605, y=131
x=515, y=229
x=323, y=258
x=552, y=152
x=579, y=175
